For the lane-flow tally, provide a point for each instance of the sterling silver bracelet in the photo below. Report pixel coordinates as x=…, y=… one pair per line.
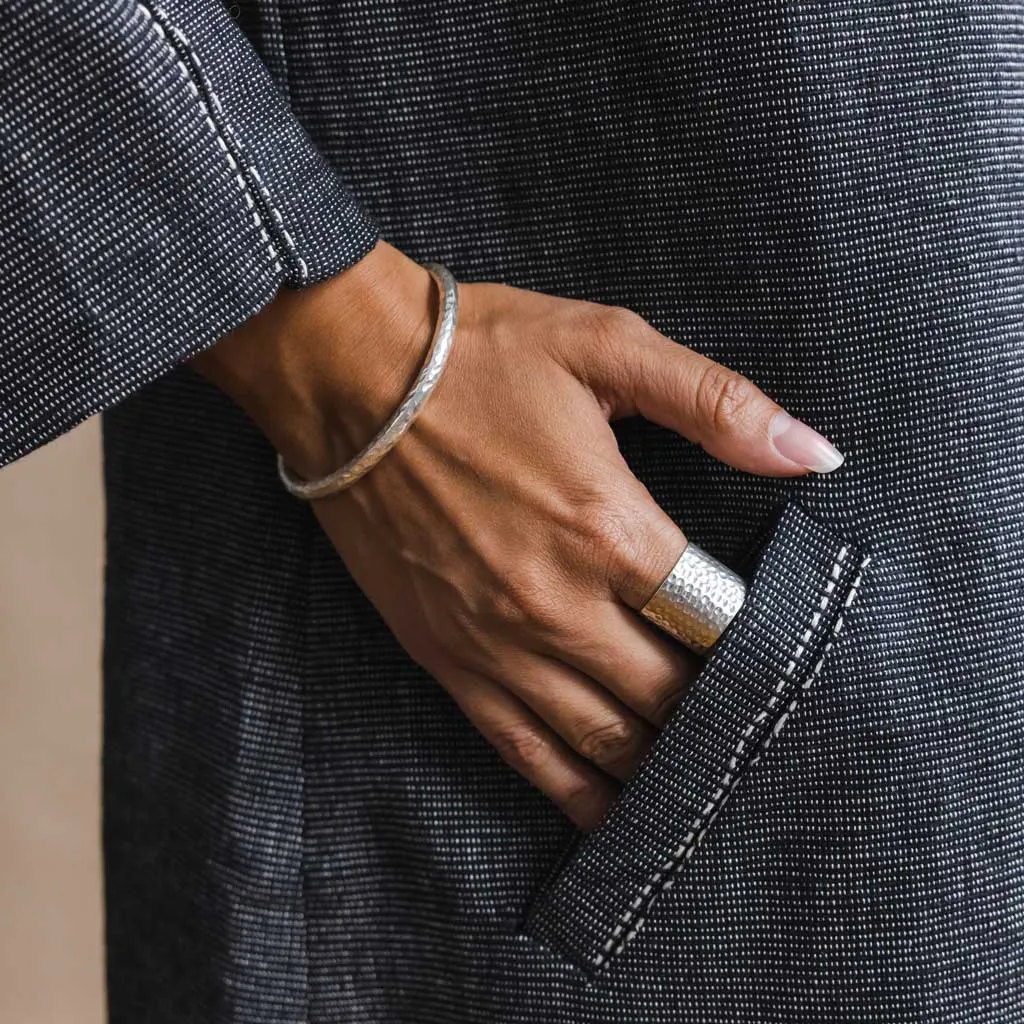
x=433, y=365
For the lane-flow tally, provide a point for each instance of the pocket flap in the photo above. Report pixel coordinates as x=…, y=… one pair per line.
x=599, y=895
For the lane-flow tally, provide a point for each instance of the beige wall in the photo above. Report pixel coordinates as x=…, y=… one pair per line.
x=50, y=564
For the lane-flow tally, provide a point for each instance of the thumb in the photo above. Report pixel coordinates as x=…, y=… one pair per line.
x=724, y=412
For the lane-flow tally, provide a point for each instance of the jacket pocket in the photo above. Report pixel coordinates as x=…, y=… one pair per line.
x=802, y=578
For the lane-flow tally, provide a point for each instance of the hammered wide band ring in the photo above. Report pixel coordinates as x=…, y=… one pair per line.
x=696, y=600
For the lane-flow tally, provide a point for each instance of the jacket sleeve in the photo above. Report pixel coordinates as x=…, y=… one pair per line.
x=155, y=192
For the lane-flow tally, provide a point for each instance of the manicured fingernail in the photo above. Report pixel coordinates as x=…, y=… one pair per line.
x=798, y=442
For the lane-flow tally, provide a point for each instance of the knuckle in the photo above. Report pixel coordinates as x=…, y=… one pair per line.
x=603, y=527
x=621, y=320
x=548, y=619
x=621, y=542
x=506, y=608
x=609, y=743
x=723, y=397
x=511, y=599
x=606, y=337
x=522, y=747
x=611, y=326
x=531, y=600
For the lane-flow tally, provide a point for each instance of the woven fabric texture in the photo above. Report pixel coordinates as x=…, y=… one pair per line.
x=300, y=825
x=155, y=191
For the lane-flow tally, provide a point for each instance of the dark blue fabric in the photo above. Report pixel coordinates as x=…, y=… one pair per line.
x=300, y=825
x=155, y=192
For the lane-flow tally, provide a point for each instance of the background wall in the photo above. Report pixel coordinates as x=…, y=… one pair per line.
x=51, y=968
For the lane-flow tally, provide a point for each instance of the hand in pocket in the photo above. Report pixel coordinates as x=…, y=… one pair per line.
x=505, y=540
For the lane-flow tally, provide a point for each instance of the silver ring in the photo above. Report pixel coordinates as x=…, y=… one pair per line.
x=696, y=600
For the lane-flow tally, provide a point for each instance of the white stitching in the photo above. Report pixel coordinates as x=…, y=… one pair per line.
x=215, y=99
x=182, y=39
x=700, y=826
x=151, y=16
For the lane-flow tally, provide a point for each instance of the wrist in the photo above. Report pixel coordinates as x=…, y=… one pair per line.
x=321, y=368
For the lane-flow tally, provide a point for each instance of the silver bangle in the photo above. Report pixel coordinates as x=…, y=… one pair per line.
x=433, y=365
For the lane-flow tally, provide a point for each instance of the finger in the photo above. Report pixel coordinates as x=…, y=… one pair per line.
x=623, y=543
x=588, y=717
x=708, y=403
x=623, y=553
x=641, y=667
x=622, y=547
x=577, y=787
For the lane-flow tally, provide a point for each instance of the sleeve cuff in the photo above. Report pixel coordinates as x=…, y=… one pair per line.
x=156, y=192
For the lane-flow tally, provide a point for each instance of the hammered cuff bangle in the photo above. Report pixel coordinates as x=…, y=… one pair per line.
x=401, y=420
x=697, y=600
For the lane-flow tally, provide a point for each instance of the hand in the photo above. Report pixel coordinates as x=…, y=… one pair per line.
x=504, y=539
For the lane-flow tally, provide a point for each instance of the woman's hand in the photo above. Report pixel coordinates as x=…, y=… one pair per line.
x=504, y=539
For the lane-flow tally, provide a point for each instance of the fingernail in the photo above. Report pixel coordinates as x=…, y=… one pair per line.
x=799, y=443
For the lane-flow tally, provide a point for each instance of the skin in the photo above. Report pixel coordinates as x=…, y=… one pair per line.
x=504, y=539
